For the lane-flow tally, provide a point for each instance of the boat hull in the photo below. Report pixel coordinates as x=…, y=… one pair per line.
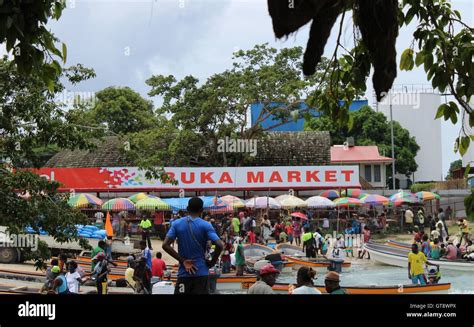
x=399, y=257
x=372, y=290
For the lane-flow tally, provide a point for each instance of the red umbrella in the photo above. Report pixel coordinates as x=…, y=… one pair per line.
x=299, y=215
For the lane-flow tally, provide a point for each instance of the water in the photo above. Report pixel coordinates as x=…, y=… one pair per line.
x=369, y=274
x=383, y=275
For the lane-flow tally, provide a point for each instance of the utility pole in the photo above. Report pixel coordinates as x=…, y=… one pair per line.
x=393, y=142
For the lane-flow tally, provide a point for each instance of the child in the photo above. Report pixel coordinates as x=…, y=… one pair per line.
x=435, y=252
x=228, y=249
x=425, y=246
x=442, y=251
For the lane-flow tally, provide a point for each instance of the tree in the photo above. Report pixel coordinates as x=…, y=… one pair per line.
x=371, y=128
x=122, y=111
x=455, y=165
x=32, y=45
x=33, y=118
x=202, y=114
x=443, y=40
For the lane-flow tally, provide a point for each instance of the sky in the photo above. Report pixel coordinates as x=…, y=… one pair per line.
x=128, y=41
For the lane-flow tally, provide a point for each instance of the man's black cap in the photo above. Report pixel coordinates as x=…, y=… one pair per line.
x=195, y=205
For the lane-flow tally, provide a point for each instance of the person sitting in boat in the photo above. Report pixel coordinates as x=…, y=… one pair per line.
x=451, y=251
x=425, y=246
x=304, y=282
x=268, y=275
x=434, y=276
x=50, y=276
x=416, y=262
x=332, y=283
x=60, y=285
x=469, y=251
x=435, y=252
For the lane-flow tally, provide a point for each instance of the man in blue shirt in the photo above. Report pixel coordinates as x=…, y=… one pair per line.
x=192, y=234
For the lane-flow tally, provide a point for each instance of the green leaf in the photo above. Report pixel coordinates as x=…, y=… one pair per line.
x=471, y=120
x=467, y=170
x=441, y=109
x=406, y=61
x=420, y=59
x=464, y=145
x=428, y=61
x=64, y=52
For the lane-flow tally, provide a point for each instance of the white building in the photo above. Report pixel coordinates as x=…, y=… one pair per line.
x=416, y=112
x=468, y=158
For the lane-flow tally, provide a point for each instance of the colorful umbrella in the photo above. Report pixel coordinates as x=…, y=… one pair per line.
x=118, y=204
x=319, y=202
x=427, y=196
x=140, y=196
x=299, y=215
x=375, y=199
x=352, y=193
x=233, y=201
x=348, y=202
x=263, y=202
x=330, y=194
x=153, y=204
x=291, y=201
x=403, y=197
x=84, y=200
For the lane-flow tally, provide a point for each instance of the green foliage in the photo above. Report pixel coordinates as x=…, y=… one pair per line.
x=122, y=111
x=33, y=47
x=200, y=114
x=32, y=117
x=469, y=205
x=44, y=208
x=422, y=187
x=443, y=44
x=455, y=165
x=372, y=128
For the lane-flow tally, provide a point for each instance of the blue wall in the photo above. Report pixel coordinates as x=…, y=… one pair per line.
x=292, y=126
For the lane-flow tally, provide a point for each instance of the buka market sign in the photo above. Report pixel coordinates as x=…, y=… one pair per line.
x=208, y=178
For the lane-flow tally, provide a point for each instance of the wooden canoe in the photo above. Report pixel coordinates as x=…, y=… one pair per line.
x=315, y=263
x=395, y=289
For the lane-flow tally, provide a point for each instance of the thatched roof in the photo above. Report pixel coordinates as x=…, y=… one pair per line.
x=277, y=149
x=107, y=154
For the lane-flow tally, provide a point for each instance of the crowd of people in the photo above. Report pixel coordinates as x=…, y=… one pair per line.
x=206, y=243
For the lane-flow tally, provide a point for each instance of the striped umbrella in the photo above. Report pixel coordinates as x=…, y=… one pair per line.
x=118, y=204
x=153, y=204
x=403, y=197
x=348, y=202
x=330, y=194
x=233, y=201
x=427, y=196
x=375, y=199
x=291, y=201
x=319, y=202
x=84, y=200
x=352, y=193
x=140, y=196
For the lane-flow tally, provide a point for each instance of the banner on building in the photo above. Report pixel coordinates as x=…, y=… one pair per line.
x=208, y=178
